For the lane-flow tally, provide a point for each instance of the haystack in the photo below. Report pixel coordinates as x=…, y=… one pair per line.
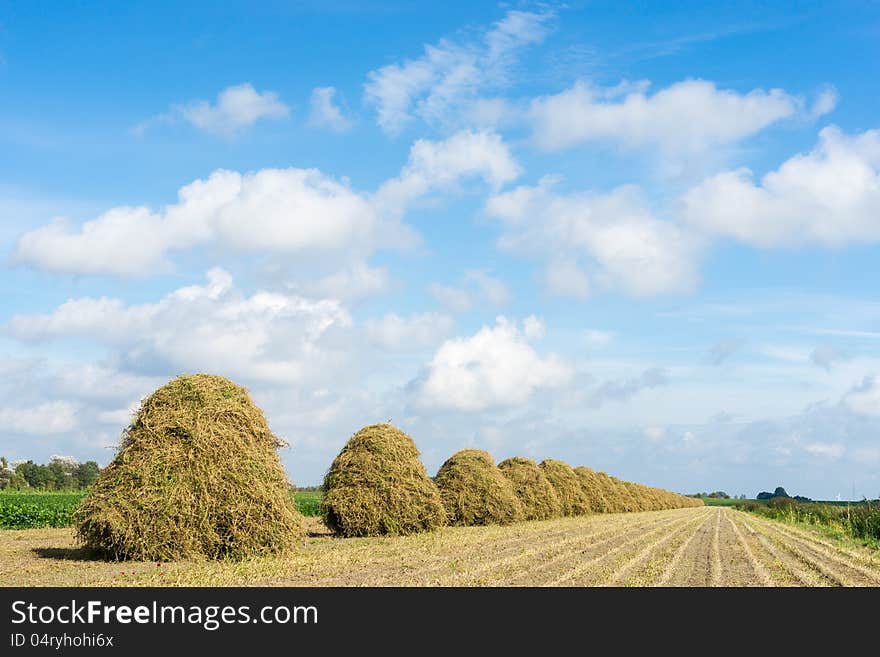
x=616, y=495
x=593, y=489
x=377, y=485
x=196, y=476
x=474, y=492
x=637, y=499
x=565, y=482
x=535, y=492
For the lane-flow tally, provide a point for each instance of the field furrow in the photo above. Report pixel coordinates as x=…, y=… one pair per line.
x=702, y=546
x=833, y=566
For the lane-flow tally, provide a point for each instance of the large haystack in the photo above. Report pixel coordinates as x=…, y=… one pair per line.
x=474, y=492
x=196, y=476
x=594, y=489
x=377, y=485
x=565, y=482
x=535, y=492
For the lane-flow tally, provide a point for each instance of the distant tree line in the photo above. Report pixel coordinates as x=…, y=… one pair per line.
x=719, y=494
x=61, y=473
x=780, y=492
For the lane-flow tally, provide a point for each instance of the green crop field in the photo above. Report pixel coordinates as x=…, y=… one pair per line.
x=24, y=509
x=31, y=509
x=721, y=501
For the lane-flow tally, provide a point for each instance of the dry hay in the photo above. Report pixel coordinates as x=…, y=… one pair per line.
x=615, y=498
x=594, y=489
x=627, y=502
x=196, y=476
x=377, y=485
x=637, y=495
x=565, y=482
x=474, y=492
x=537, y=495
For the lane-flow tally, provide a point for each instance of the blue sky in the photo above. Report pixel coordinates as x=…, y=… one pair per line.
x=635, y=237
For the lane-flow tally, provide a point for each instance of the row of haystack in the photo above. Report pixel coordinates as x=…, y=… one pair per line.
x=197, y=476
x=378, y=485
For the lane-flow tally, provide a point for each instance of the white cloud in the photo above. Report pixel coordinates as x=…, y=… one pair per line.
x=394, y=332
x=827, y=197
x=353, y=282
x=686, y=118
x=282, y=211
x=449, y=77
x=534, y=328
x=564, y=278
x=325, y=113
x=655, y=434
x=237, y=107
x=48, y=418
x=830, y=450
x=488, y=287
x=615, y=235
x=496, y=367
x=274, y=210
x=213, y=327
x=864, y=398
x=824, y=103
x=439, y=164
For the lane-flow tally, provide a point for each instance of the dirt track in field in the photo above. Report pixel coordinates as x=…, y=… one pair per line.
x=708, y=546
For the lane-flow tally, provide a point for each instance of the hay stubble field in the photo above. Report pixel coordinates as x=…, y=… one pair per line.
x=704, y=546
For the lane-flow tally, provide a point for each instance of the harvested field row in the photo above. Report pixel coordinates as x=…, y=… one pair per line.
x=707, y=546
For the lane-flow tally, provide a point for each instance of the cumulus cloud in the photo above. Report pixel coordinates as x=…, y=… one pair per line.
x=325, y=113
x=275, y=210
x=685, y=118
x=51, y=417
x=440, y=164
x=827, y=197
x=417, y=331
x=446, y=82
x=495, y=367
x=624, y=390
x=237, y=107
x=212, y=327
x=282, y=211
x=613, y=236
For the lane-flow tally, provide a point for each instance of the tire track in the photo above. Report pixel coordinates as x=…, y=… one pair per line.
x=539, y=547
x=695, y=564
x=801, y=569
x=639, y=559
x=436, y=571
x=528, y=575
x=715, y=570
x=758, y=568
x=584, y=568
x=830, y=565
x=672, y=566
